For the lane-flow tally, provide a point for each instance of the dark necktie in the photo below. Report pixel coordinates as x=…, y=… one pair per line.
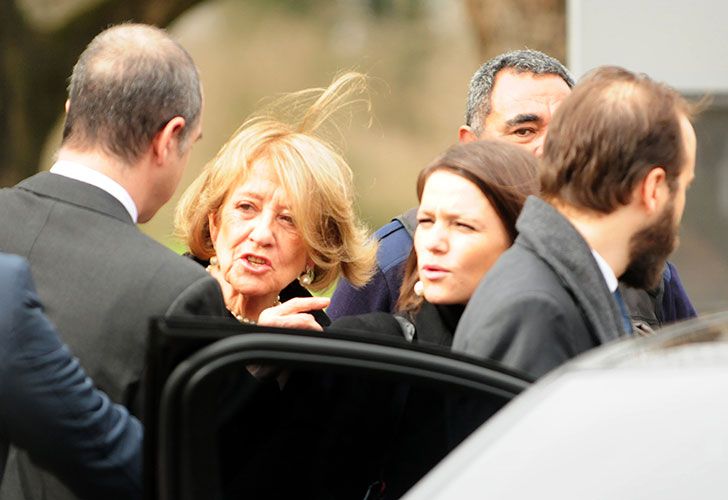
x=626, y=321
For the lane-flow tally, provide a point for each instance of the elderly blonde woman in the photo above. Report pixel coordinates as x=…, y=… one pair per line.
x=273, y=213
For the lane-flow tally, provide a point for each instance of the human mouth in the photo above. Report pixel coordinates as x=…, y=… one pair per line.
x=433, y=273
x=256, y=260
x=255, y=263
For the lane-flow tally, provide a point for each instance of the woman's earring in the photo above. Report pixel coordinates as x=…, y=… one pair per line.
x=213, y=264
x=306, y=278
x=419, y=288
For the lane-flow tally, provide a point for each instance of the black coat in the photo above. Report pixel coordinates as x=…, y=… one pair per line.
x=434, y=324
x=266, y=436
x=394, y=431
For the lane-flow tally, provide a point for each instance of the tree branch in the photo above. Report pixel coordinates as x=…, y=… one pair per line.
x=36, y=64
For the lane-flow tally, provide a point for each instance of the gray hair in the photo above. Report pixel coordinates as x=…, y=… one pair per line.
x=131, y=80
x=521, y=61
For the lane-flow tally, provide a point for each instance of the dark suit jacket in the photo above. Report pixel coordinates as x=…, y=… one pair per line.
x=101, y=280
x=524, y=317
x=50, y=408
x=543, y=302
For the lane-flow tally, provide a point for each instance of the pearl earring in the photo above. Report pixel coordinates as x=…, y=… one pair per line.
x=419, y=288
x=306, y=278
x=213, y=264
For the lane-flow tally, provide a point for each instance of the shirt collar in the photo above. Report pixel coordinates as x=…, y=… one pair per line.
x=607, y=271
x=82, y=173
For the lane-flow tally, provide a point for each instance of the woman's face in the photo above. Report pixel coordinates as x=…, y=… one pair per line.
x=258, y=247
x=458, y=238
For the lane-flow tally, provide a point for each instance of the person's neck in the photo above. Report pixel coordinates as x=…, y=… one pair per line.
x=127, y=176
x=248, y=308
x=245, y=308
x=607, y=234
x=255, y=305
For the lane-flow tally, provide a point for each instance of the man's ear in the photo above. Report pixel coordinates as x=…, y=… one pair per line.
x=654, y=192
x=167, y=139
x=466, y=135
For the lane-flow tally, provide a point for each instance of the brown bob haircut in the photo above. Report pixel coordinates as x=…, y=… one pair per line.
x=607, y=135
x=506, y=174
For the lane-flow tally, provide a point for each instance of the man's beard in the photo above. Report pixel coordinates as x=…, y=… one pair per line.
x=649, y=249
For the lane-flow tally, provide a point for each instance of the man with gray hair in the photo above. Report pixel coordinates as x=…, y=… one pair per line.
x=133, y=113
x=511, y=97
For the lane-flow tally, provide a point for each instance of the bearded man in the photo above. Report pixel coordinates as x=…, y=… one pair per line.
x=618, y=158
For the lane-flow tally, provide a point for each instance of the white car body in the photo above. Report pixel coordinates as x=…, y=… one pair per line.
x=645, y=418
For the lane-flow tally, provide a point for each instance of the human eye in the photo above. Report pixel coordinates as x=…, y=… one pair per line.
x=424, y=220
x=245, y=207
x=524, y=132
x=464, y=226
x=287, y=219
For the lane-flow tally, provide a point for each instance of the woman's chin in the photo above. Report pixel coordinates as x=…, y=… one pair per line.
x=443, y=298
x=252, y=287
x=435, y=299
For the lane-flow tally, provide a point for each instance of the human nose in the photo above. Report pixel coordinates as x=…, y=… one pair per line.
x=436, y=238
x=262, y=232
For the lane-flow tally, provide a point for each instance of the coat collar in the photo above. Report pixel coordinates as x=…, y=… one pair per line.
x=76, y=193
x=435, y=324
x=557, y=242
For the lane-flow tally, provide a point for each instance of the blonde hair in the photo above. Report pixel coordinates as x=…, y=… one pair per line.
x=313, y=173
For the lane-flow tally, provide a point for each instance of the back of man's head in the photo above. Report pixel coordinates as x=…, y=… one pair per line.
x=520, y=61
x=128, y=83
x=613, y=129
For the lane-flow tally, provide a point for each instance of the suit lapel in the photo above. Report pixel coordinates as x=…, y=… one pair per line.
x=76, y=193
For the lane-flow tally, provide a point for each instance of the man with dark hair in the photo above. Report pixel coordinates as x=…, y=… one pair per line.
x=614, y=195
x=511, y=97
x=133, y=114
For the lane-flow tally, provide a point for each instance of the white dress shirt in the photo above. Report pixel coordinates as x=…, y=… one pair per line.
x=607, y=271
x=88, y=175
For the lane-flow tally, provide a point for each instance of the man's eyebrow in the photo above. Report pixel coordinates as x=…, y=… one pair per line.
x=523, y=118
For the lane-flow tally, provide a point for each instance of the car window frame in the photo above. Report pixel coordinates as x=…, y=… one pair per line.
x=216, y=342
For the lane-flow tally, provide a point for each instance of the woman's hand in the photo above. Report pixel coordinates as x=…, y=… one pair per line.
x=293, y=313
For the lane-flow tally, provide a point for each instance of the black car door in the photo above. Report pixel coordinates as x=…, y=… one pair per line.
x=238, y=411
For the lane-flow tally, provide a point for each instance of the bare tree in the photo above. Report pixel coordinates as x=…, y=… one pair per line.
x=36, y=62
x=502, y=25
